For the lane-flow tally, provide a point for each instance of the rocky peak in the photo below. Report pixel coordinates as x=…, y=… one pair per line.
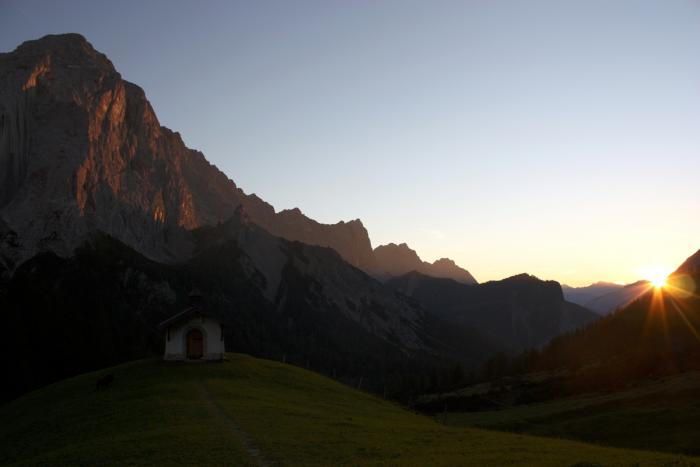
x=395, y=260
x=71, y=50
x=82, y=150
x=398, y=259
x=445, y=267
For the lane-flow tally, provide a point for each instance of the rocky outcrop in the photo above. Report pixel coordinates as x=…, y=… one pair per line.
x=81, y=149
x=394, y=260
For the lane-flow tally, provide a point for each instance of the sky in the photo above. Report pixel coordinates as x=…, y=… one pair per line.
x=558, y=138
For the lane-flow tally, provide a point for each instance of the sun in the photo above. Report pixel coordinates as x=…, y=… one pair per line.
x=657, y=277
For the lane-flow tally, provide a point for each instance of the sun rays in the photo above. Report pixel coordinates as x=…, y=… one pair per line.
x=670, y=295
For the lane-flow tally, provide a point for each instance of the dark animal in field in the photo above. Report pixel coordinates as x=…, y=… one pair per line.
x=104, y=382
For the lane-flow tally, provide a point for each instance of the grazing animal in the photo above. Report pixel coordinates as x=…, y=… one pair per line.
x=104, y=382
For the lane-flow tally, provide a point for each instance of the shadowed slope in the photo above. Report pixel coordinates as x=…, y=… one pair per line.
x=658, y=414
x=518, y=312
x=274, y=297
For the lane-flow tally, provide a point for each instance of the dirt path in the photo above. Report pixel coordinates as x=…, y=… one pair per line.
x=246, y=440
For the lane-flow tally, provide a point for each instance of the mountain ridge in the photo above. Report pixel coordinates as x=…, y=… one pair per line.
x=394, y=260
x=66, y=115
x=605, y=297
x=89, y=159
x=534, y=310
x=127, y=162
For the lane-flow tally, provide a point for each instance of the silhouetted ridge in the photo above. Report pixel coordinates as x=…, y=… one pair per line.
x=519, y=312
x=394, y=260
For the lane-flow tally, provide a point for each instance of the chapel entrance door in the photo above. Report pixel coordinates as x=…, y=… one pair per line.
x=195, y=344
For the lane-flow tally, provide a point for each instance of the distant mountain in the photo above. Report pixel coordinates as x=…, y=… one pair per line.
x=393, y=260
x=519, y=312
x=605, y=297
x=611, y=301
x=582, y=295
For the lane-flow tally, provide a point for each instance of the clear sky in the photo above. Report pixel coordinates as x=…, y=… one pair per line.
x=559, y=138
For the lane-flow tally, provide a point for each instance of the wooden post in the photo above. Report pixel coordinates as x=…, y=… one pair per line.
x=444, y=415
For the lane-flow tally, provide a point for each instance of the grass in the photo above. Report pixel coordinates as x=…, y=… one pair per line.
x=165, y=414
x=659, y=415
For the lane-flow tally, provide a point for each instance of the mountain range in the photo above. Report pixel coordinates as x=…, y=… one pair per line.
x=107, y=220
x=83, y=150
x=517, y=313
x=605, y=297
x=582, y=295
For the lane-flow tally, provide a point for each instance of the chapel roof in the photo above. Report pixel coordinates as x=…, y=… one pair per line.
x=188, y=313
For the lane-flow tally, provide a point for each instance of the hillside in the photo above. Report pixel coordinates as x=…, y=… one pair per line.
x=655, y=335
x=256, y=412
x=691, y=265
x=629, y=379
x=658, y=414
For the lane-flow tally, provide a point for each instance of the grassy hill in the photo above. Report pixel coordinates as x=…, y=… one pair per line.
x=661, y=415
x=248, y=411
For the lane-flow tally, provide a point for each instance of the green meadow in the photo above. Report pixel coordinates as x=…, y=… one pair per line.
x=248, y=411
x=658, y=415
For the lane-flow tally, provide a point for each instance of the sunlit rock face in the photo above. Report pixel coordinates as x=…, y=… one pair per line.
x=81, y=150
x=394, y=260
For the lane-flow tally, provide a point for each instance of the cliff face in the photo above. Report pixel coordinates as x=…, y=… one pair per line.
x=81, y=150
x=394, y=260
